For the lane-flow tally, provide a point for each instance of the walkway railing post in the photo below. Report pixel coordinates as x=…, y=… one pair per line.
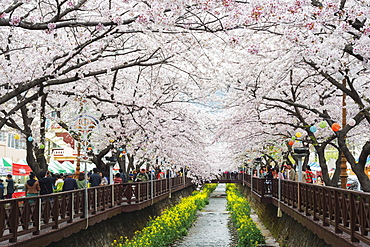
x=112, y=195
x=151, y=185
x=72, y=208
x=279, y=213
x=37, y=217
x=170, y=186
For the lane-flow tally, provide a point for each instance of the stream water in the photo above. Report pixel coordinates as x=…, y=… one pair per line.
x=212, y=227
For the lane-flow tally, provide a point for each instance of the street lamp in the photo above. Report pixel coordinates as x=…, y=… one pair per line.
x=112, y=160
x=299, y=153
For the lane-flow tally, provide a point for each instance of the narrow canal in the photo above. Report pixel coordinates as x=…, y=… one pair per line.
x=212, y=227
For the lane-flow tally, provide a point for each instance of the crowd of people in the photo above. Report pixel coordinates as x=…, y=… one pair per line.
x=288, y=173
x=47, y=182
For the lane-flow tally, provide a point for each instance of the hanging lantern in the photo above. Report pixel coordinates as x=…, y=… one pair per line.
x=30, y=139
x=313, y=129
x=111, y=140
x=42, y=146
x=89, y=148
x=322, y=124
x=120, y=149
x=335, y=127
x=352, y=122
x=290, y=143
x=293, y=138
x=298, y=134
x=17, y=137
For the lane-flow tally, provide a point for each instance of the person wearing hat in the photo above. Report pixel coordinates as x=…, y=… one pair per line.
x=69, y=183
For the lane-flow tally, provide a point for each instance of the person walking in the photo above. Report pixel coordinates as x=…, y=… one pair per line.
x=95, y=179
x=123, y=176
x=289, y=173
x=104, y=179
x=59, y=183
x=81, y=181
x=308, y=175
x=142, y=176
x=69, y=183
x=46, y=183
x=2, y=189
x=32, y=187
x=9, y=187
x=117, y=178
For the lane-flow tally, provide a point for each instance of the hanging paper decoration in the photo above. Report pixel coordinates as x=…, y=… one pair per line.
x=352, y=122
x=313, y=129
x=298, y=134
x=30, y=139
x=290, y=143
x=42, y=146
x=335, y=127
x=111, y=140
x=293, y=138
x=17, y=137
x=322, y=124
x=120, y=149
x=89, y=148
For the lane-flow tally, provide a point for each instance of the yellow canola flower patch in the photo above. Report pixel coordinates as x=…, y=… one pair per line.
x=172, y=224
x=248, y=233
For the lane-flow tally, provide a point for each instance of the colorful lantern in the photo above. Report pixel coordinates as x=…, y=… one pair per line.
x=89, y=148
x=313, y=129
x=352, y=122
x=298, y=134
x=290, y=143
x=17, y=137
x=335, y=127
x=120, y=149
x=293, y=138
x=111, y=140
x=322, y=124
x=30, y=139
x=42, y=146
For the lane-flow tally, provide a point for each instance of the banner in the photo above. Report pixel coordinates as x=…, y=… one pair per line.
x=5, y=166
x=21, y=170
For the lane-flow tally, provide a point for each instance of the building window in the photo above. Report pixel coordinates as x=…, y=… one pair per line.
x=3, y=136
x=16, y=144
